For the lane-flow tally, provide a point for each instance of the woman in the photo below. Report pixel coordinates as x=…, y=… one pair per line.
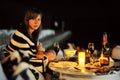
x=23, y=53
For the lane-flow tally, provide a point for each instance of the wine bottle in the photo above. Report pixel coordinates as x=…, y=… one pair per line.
x=105, y=51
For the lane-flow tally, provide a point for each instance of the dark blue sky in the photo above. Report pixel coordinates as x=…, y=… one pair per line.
x=87, y=19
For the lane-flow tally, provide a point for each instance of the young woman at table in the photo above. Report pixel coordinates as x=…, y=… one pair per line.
x=22, y=53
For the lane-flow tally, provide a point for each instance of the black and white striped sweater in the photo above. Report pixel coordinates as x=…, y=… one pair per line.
x=22, y=49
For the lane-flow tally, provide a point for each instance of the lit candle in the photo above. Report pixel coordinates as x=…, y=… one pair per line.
x=81, y=59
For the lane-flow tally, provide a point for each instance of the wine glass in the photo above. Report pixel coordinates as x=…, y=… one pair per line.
x=91, y=51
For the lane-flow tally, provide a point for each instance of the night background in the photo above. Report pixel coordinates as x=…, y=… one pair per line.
x=86, y=19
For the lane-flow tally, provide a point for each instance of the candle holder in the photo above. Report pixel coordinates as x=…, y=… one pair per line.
x=81, y=59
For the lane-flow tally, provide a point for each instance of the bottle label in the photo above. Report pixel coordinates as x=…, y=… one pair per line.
x=104, y=60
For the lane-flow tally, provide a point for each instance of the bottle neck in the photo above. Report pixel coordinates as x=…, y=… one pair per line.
x=105, y=44
x=105, y=41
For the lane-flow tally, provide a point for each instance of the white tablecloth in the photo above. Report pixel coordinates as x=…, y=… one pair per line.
x=102, y=77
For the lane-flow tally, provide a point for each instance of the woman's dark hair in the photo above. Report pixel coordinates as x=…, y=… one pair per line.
x=32, y=13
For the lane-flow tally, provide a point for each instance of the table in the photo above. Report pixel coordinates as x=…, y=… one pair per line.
x=67, y=72
x=102, y=77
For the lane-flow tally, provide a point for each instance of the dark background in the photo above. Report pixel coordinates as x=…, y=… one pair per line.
x=87, y=19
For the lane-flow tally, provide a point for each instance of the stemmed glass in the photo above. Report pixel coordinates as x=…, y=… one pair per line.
x=91, y=51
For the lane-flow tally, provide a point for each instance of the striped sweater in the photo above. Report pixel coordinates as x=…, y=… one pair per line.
x=22, y=50
x=21, y=41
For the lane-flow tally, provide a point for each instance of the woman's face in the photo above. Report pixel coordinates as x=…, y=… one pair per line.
x=35, y=23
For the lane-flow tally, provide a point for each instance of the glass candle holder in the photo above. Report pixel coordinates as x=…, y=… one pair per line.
x=81, y=59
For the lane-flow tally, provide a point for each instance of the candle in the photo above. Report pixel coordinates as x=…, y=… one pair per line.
x=81, y=59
